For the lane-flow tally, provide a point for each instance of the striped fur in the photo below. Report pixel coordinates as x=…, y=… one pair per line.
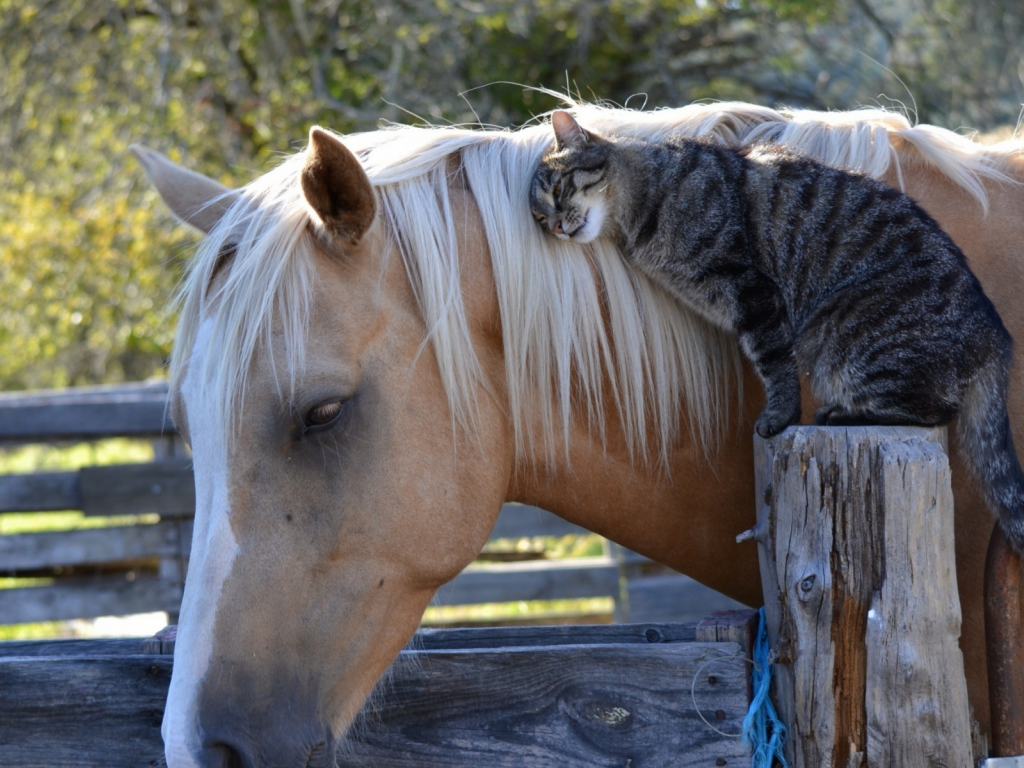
x=819, y=272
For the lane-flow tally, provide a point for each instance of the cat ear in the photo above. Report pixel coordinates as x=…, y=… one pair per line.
x=568, y=133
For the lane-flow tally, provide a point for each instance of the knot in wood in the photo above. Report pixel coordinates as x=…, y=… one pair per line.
x=807, y=586
x=612, y=716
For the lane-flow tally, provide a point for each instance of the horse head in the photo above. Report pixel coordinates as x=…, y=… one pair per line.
x=336, y=489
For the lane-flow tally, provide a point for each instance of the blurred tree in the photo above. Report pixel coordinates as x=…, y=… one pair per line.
x=89, y=257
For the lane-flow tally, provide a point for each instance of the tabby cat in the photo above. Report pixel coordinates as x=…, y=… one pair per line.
x=816, y=270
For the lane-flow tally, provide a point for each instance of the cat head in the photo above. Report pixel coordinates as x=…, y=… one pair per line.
x=568, y=196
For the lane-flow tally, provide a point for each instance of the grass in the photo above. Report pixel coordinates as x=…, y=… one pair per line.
x=46, y=630
x=52, y=458
x=579, y=611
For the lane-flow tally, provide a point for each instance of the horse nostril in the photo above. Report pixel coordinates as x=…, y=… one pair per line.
x=222, y=756
x=322, y=756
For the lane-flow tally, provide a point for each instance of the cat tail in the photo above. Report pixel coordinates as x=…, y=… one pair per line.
x=985, y=435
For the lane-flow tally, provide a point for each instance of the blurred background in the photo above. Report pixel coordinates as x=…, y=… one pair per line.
x=89, y=257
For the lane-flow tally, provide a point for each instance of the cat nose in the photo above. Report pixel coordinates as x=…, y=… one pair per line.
x=557, y=229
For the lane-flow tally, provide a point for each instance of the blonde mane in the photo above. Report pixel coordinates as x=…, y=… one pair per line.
x=574, y=320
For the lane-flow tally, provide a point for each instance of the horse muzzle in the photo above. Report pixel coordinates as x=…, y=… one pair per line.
x=225, y=747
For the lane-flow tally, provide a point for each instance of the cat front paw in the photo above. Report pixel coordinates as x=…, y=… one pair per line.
x=771, y=423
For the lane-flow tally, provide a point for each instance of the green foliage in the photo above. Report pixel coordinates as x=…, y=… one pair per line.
x=89, y=258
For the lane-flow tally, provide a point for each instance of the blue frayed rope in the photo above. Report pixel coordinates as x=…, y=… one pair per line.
x=762, y=729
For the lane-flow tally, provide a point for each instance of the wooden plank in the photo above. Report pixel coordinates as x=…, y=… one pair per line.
x=113, y=646
x=544, y=580
x=163, y=487
x=913, y=626
x=71, y=712
x=590, y=634
x=824, y=518
x=729, y=626
x=93, y=393
x=27, y=551
x=535, y=580
x=85, y=413
x=88, y=598
x=477, y=638
x=567, y=706
x=162, y=642
x=39, y=492
x=518, y=521
x=672, y=598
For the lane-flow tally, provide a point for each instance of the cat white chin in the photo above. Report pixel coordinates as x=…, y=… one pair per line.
x=591, y=229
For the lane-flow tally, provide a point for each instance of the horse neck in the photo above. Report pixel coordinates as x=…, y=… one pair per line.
x=992, y=242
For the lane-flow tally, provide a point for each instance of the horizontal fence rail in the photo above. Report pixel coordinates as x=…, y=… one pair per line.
x=86, y=413
x=540, y=696
x=140, y=567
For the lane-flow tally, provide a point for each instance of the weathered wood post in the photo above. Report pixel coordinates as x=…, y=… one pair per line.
x=855, y=532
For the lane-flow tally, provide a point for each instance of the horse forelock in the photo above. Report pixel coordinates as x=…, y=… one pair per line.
x=575, y=321
x=270, y=277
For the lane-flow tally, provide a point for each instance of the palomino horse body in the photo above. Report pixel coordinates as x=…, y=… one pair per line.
x=375, y=354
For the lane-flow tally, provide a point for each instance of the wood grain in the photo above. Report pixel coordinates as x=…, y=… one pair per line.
x=569, y=705
x=82, y=711
x=828, y=502
x=511, y=637
x=113, y=646
x=459, y=638
x=914, y=620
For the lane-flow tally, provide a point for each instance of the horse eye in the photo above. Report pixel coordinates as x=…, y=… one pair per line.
x=323, y=415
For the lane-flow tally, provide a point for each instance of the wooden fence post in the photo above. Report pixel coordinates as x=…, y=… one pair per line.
x=855, y=532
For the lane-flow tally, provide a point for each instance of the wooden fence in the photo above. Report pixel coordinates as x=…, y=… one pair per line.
x=576, y=697
x=854, y=528
x=140, y=567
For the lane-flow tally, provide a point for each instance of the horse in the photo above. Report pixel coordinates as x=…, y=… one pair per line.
x=377, y=347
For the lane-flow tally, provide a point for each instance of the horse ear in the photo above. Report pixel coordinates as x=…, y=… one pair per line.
x=568, y=133
x=336, y=187
x=192, y=197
